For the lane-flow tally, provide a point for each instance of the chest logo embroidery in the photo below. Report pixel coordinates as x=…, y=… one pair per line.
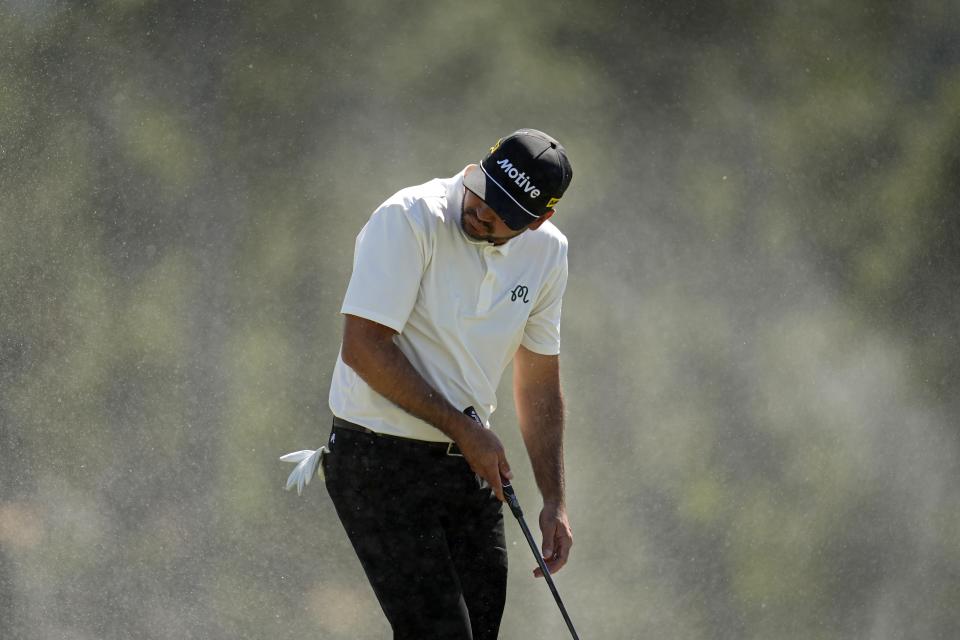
x=519, y=293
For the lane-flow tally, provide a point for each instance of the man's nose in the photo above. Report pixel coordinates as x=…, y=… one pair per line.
x=486, y=214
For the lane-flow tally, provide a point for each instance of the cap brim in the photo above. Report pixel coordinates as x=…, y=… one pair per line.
x=512, y=214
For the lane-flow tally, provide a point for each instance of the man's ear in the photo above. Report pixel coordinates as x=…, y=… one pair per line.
x=541, y=220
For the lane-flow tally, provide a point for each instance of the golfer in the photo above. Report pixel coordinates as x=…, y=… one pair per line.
x=452, y=280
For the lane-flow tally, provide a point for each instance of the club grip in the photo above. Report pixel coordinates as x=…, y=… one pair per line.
x=511, y=497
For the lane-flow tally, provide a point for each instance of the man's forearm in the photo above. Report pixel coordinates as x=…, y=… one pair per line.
x=384, y=367
x=369, y=349
x=540, y=413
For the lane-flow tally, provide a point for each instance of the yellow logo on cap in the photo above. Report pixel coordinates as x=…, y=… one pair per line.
x=496, y=146
x=552, y=202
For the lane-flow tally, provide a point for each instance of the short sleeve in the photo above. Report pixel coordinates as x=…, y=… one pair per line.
x=542, y=331
x=388, y=263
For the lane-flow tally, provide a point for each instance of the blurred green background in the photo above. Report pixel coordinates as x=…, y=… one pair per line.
x=760, y=329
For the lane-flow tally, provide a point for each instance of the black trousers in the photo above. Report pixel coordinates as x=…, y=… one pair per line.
x=428, y=532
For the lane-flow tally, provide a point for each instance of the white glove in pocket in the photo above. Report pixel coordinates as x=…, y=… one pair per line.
x=308, y=463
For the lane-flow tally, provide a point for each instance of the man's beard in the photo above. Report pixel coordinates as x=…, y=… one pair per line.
x=474, y=227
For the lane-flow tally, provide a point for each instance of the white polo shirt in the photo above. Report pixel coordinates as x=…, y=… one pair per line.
x=461, y=307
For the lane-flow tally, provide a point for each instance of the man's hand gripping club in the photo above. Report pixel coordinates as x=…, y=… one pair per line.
x=484, y=453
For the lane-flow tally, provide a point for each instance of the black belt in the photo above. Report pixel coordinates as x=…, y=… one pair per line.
x=449, y=448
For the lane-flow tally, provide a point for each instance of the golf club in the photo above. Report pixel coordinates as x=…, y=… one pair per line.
x=514, y=504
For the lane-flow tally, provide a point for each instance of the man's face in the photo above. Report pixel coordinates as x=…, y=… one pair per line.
x=480, y=222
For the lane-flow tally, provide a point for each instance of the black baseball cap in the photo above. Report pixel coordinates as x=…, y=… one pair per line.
x=523, y=176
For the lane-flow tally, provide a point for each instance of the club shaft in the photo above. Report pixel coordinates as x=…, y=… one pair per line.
x=515, y=508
